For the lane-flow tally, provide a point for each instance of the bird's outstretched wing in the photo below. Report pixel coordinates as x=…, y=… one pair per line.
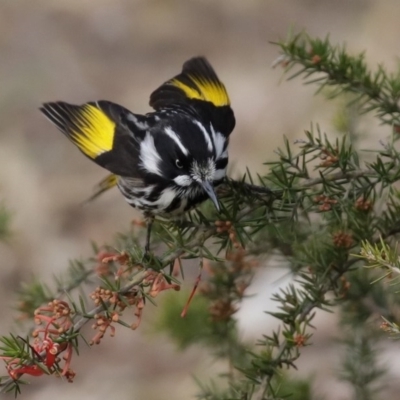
x=199, y=86
x=105, y=132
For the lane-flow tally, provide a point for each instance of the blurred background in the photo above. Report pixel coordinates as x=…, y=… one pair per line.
x=121, y=50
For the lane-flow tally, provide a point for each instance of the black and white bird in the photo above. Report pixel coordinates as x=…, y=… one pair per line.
x=167, y=161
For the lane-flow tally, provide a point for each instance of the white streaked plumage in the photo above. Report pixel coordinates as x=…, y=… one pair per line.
x=166, y=198
x=174, y=136
x=219, y=142
x=183, y=180
x=149, y=157
x=223, y=155
x=139, y=124
x=161, y=203
x=219, y=174
x=206, y=135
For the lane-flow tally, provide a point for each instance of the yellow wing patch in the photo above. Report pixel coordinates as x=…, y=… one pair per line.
x=197, y=81
x=93, y=132
x=203, y=89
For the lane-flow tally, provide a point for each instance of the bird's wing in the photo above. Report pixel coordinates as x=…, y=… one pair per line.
x=199, y=86
x=105, y=132
x=105, y=184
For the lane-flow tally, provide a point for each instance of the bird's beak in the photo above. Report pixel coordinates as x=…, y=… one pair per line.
x=208, y=187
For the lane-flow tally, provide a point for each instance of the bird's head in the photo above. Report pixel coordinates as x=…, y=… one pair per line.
x=191, y=161
x=197, y=173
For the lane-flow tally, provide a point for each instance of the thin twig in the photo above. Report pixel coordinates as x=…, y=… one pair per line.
x=337, y=177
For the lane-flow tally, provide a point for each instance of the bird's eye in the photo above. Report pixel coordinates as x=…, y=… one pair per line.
x=178, y=163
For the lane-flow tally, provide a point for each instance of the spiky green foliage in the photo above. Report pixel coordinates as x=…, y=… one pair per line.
x=320, y=209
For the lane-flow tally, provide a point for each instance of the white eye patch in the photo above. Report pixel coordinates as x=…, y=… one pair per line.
x=183, y=180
